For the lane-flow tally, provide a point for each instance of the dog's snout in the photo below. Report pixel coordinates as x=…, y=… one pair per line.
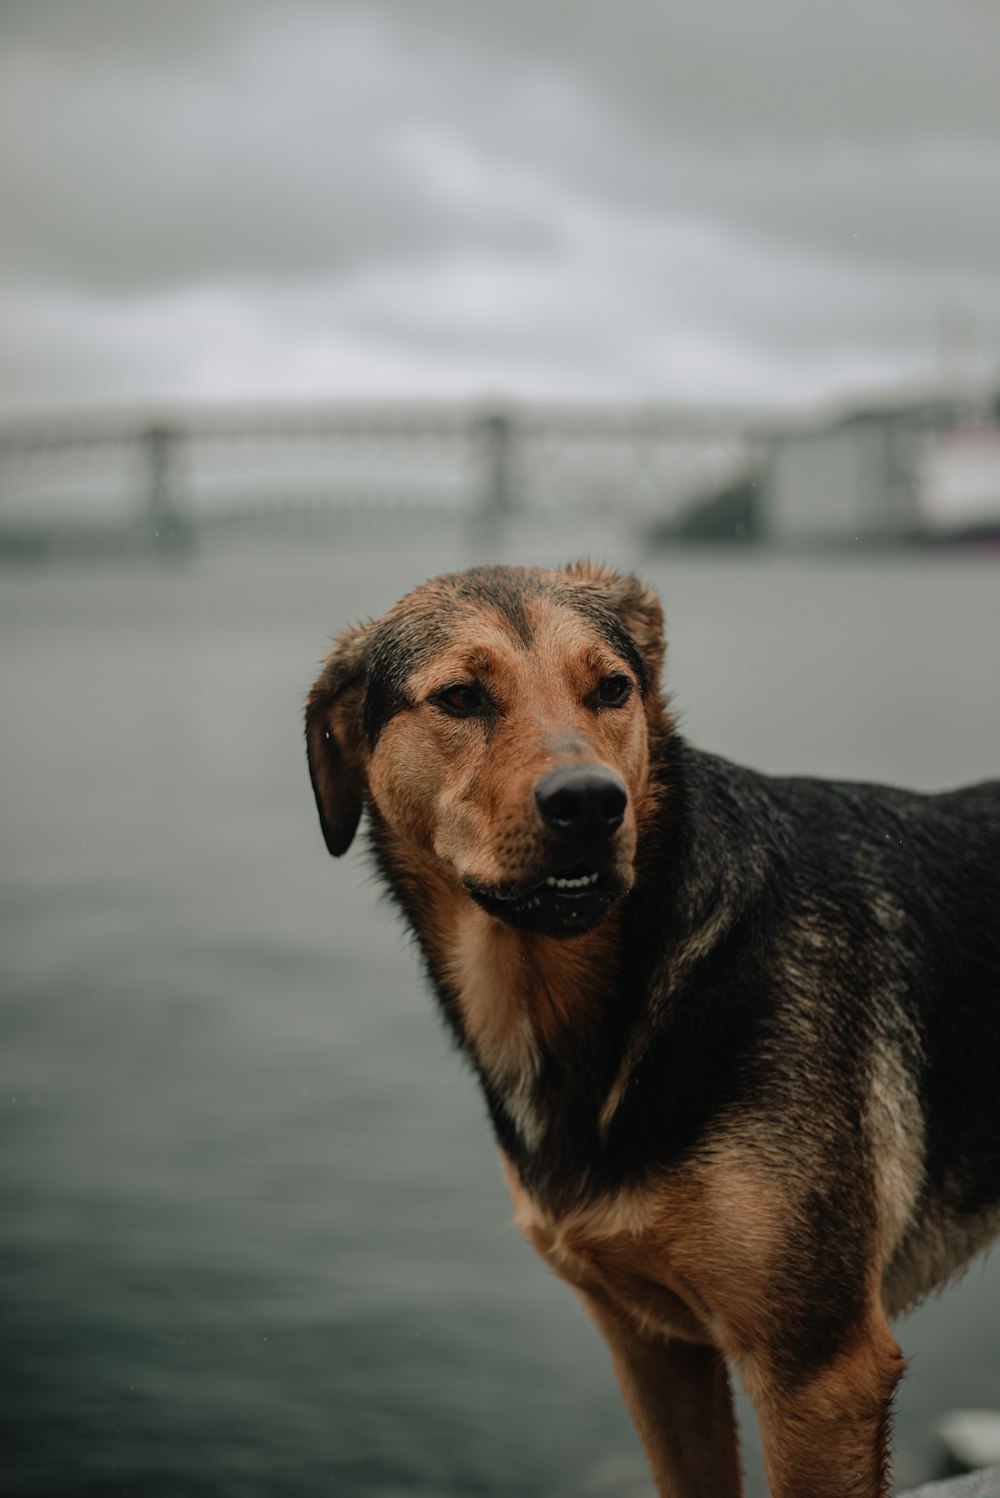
x=582, y=802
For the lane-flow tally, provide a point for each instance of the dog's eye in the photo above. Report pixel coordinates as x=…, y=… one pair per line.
x=613, y=691
x=461, y=700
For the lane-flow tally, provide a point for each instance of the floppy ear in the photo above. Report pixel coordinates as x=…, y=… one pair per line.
x=334, y=739
x=636, y=605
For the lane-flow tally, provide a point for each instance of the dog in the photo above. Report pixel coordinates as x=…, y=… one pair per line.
x=739, y=1036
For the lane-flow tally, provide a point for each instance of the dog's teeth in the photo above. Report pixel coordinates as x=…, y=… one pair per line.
x=581, y=883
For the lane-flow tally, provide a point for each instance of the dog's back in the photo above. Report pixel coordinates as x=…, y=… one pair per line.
x=873, y=948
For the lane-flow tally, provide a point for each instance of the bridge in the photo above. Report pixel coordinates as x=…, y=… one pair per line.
x=157, y=477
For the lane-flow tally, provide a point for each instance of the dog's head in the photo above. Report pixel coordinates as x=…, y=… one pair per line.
x=496, y=723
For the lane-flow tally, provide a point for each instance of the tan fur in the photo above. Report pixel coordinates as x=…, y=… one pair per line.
x=935, y=1249
x=897, y=1139
x=661, y=1267
x=830, y=1438
x=661, y=1270
x=516, y=990
x=666, y=1256
x=433, y=783
x=921, y=1246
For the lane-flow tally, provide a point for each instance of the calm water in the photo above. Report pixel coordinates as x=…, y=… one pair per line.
x=253, y=1235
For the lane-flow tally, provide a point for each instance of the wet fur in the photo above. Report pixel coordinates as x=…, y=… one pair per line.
x=751, y=1112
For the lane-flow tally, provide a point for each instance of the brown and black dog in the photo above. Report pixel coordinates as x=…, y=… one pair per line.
x=739, y=1036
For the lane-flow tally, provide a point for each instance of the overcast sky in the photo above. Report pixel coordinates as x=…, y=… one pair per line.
x=688, y=201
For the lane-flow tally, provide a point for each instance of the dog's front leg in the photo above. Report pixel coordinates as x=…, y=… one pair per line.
x=826, y=1432
x=679, y=1397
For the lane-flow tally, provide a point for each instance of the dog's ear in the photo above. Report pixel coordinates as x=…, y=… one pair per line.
x=335, y=738
x=636, y=605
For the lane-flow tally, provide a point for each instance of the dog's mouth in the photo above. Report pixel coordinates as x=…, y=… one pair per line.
x=566, y=903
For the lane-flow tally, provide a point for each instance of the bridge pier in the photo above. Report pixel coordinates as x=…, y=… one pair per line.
x=166, y=526
x=497, y=439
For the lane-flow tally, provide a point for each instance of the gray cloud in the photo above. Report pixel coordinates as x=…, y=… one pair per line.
x=720, y=71
x=282, y=158
x=494, y=194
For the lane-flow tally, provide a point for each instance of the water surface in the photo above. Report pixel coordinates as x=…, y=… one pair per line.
x=254, y=1238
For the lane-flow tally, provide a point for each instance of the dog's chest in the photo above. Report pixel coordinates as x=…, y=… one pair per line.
x=518, y=999
x=629, y=1249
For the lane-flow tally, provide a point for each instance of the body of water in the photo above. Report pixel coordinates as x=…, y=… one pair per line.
x=253, y=1235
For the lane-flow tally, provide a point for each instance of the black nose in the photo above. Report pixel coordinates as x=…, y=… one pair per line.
x=586, y=804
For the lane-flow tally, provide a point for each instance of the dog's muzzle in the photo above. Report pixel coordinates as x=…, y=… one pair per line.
x=582, y=807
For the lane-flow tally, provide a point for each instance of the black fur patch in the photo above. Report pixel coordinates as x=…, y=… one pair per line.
x=503, y=589
x=393, y=656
